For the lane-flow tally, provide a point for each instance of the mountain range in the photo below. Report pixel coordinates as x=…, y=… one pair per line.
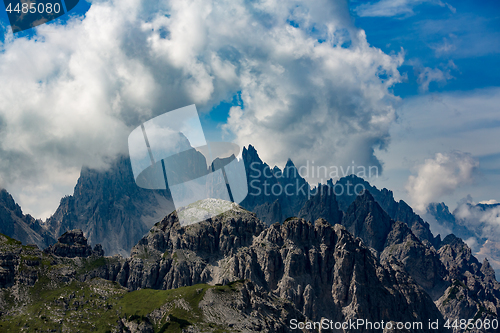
x=305, y=255
x=477, y=224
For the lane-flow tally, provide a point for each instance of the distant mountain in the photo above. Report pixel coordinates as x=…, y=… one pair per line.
x=110, y=208
x=25, y=228
x=323, y=204
x=398, y=211
x=447, y=221
x=292, y=192
x=272, y=191
x=475, y=223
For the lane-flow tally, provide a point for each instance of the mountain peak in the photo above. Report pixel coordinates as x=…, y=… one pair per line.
x=289, y=164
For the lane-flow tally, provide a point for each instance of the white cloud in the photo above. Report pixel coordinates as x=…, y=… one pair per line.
x=71, y=95
x=483, y=220
x=389, y=8
x=428, y=75
x=442, y=122
x=488, y=202
x=440, y=176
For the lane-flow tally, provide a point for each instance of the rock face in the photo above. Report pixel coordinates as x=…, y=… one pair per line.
x=269, y=213
x=323, y=204
x=452, y=276
x=467, y=222
x=366, y=219
x=474, y=292
x=398, y=211
x=110, y=208
x=319, y=268
x=395, y=241
x=9, y=260
x=419, y=260
x=273, y=192
x=234, y=270
x=25, y=228
x=73, y=244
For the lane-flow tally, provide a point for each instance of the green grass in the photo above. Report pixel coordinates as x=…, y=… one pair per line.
x=98, y=305
x=89, y=264
x=11, y=241
x=150, y=299
x=47, y=309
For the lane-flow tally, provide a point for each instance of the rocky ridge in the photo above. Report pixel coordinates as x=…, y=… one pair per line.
x=236, y=272
x=307, y=264
x=20, y=226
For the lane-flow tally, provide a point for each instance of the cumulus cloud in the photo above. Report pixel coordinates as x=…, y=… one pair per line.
x=440, y=176
x=311, y=86
x=389, y=8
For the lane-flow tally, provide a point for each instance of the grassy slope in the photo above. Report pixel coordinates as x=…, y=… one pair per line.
x=97, y=306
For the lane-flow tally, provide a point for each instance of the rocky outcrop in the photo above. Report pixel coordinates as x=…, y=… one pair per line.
x=419, y=260
x=474, y=292
x=366, y=219
x=249, y=308
x=9, y=261
x=395, y=241
x=73, y=244
x=319, y=268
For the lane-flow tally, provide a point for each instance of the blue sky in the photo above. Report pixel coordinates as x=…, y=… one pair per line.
x=432, y=35
x=460, y=41
x=418, y=97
